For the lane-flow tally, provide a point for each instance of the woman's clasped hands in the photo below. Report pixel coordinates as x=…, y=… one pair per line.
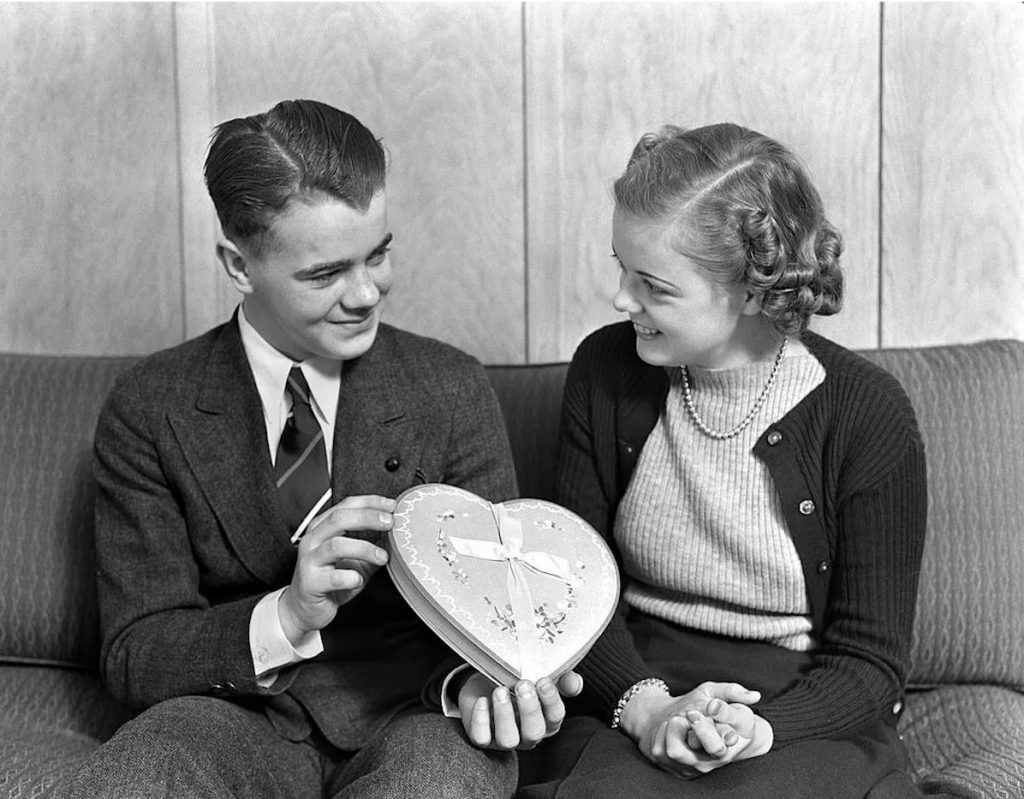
x=696, y=733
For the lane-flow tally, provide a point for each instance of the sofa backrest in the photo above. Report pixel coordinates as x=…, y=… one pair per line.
x=49, y=406
x=970, y=406
x=969, y=401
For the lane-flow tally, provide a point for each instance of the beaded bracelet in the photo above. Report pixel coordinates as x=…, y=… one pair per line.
x=633, y=690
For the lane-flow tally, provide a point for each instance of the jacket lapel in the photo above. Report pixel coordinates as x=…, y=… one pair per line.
x=377, y=443
x=223, y=438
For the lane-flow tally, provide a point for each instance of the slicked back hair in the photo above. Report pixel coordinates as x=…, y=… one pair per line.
x=297, y=150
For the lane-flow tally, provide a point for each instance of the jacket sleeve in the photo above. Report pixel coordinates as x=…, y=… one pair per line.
x=859, y=669
x=160, y=636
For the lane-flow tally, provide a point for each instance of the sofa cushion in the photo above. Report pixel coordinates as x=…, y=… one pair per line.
x=969, y=401
x=52, y=719
x=50, y=406
x=33, y=762
x=69, y=700
x=967, y=740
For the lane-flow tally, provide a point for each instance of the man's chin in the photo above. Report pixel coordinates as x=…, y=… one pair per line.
x=354, y=345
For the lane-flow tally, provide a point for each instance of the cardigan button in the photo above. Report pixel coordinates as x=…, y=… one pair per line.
x=774, y=437
x=897, y=708
x=392, y=464
x=822, y=566
x=807, y=507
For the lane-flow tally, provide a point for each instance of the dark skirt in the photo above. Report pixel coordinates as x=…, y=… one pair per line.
x=587, y=760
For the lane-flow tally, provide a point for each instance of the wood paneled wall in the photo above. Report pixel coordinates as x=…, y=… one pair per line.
x=506, y=125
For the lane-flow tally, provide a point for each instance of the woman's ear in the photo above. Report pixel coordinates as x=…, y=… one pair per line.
x=235, y=264
x=752, y=304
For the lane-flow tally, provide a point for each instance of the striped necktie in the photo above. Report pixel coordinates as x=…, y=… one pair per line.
x=301, y=465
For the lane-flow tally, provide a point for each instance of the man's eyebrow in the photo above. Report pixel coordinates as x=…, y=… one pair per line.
x=344, y=263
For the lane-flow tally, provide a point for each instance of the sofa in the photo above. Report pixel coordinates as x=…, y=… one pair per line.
x=963, y=716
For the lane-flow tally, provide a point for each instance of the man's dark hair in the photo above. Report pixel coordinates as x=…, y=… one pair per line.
x=297, y=149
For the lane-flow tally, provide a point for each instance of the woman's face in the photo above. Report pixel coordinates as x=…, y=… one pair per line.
x=680, y=314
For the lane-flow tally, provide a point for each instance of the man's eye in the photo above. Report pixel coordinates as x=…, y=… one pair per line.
x=378, y=257
x=324, y=277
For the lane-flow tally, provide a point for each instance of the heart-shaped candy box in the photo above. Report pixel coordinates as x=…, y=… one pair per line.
x=520, y=590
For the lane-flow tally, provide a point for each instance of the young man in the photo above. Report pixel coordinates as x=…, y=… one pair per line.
x=246, y=479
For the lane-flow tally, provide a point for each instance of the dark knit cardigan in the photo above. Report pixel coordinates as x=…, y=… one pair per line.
x=848, y=464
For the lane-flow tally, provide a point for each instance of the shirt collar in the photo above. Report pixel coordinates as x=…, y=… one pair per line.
x=270, y=369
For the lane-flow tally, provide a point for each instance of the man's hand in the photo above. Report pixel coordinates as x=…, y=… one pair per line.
x=332, y=568
x=681, y=734
x=490, y=715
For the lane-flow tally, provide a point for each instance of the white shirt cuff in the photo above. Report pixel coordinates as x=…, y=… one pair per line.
x=450, y=707
x=271, y=649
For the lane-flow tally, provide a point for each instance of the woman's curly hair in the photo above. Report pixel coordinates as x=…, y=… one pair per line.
x=745, y=209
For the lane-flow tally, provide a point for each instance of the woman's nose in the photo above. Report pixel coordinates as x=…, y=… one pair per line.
x=623, y=300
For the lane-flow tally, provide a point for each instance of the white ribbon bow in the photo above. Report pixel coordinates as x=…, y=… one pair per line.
x=509, y=548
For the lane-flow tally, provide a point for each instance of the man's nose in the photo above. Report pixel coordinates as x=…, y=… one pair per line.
x=362, y=291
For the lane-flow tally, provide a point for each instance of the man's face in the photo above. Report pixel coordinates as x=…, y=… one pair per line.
x=319, y=287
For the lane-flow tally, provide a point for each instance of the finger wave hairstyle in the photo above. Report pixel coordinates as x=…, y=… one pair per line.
x=298, y=149
x=745, y=210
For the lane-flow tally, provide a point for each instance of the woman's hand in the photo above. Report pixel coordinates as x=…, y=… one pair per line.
x=497, y=718
x=700, y=731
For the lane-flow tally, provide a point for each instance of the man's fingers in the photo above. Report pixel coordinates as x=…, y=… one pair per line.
x=506, y=733
x=570, y=684
x=551, y=705
x=479, y=728
x=338, y=549
x=532, y=726
x=366, y=512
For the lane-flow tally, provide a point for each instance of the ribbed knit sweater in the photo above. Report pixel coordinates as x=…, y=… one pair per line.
x=703, y=538
x=848, y=465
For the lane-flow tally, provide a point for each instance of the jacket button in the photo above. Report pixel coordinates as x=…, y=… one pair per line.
x=822, y=566
x=774, y=437
x=392, y=464
x=897, y=708
x=807, y=507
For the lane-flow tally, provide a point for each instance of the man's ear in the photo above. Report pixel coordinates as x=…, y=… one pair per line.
x=235, y=264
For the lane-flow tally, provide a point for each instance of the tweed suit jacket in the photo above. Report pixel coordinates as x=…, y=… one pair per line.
x=190, y=537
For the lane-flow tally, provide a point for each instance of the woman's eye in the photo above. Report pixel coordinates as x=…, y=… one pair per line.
x=652, y=288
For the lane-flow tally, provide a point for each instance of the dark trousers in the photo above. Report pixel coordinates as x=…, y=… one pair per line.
x=587, y=760
x=206, y=748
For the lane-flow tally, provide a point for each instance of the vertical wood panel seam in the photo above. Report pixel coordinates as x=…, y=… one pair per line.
x=179, y=136
x=880, y=331
x=526, y=184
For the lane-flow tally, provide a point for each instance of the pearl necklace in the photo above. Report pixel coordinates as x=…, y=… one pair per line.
x=702, y=425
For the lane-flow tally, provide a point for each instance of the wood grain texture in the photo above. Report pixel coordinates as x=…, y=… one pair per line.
x=442, y=85
x=91, y=262
x=207, y=297
x=953, y=172
x=805, y=74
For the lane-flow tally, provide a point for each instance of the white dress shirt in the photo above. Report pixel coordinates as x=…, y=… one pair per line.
x=271, y=649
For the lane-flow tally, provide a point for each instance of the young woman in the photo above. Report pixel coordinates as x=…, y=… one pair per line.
x=763, y=488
